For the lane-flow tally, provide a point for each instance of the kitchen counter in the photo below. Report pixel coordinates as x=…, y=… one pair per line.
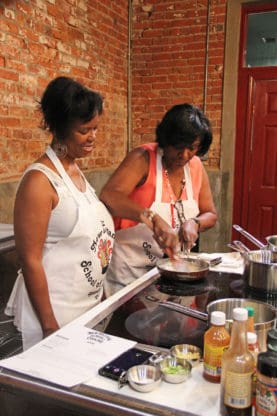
x=101, y=396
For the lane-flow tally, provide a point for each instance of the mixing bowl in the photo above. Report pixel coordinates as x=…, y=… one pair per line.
x=144, y=378
x=173, y=371
x=186, y=352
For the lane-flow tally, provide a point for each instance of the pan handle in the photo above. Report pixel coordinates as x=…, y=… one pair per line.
x=249, y=236
x=185, y=310
x=241, y=246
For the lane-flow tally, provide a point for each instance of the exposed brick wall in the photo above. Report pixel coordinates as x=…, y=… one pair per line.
x=168, y=63
x=88, y=40
x=41, y=39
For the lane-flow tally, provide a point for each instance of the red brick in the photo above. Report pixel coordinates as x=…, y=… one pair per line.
x=168, y=67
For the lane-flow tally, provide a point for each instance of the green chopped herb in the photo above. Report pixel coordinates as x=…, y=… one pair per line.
x=172, y=369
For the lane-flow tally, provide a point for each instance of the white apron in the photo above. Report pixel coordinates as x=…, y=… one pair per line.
x=135, y=250
x=75, y=266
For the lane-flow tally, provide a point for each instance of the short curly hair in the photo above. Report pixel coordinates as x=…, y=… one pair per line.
x=182, y=125
x=65, y=102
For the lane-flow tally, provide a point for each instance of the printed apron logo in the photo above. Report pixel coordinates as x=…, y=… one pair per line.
x=103, y=246
x=104, y=253
x=87, y=269
x=147, y=250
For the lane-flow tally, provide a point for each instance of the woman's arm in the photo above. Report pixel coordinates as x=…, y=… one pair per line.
x=34, y=201
x=132, y=172
x=207, y=213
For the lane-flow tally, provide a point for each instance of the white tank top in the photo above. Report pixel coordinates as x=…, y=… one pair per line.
x=60, y=226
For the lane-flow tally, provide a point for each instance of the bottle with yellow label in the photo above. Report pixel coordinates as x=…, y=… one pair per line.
x=237, y=370
x=216, y=340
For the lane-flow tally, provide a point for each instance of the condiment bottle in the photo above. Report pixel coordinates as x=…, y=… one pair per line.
x=250, y=319
x=216, y=340
x=266, y=388
x=237, y=370
x=253, y=346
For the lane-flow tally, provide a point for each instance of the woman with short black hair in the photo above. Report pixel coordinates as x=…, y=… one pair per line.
x=64, y=234
x=160, y=196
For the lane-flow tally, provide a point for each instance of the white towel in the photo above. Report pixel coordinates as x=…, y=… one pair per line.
x=231, y=262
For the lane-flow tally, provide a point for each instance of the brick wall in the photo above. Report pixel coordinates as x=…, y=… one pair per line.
x=169, y=63
x=41, y=39
x=88, y=40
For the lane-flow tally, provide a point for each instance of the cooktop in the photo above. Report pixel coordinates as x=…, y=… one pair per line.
x=144, y=320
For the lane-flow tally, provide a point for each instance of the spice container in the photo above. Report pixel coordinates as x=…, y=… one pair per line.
x=266, y=388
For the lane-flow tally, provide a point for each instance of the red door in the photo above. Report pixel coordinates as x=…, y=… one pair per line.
x=255, y=179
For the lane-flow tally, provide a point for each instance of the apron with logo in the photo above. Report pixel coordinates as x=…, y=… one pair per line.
x=135, y=250
x=75, y=266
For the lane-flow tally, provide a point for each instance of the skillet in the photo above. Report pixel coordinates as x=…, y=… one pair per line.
x=183, y=269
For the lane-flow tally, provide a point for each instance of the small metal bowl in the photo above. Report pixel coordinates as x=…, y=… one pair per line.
x=144, y=378
x=186, y=352
x=173, y=372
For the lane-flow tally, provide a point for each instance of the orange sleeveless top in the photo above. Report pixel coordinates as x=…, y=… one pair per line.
x=144, y=195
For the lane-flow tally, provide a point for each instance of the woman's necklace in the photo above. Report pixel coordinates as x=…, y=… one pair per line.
x=172, y=196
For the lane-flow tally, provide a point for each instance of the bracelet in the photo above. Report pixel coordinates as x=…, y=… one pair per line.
x=197, y=221
x=148, y=214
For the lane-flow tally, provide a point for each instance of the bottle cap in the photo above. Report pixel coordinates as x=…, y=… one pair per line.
x=251, y=338
x=240, y=314
x=267, y=364
x=218, y=318
x=250, y=310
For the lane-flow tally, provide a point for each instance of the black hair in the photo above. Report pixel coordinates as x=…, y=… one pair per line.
x=65, y=102
x=182, y=125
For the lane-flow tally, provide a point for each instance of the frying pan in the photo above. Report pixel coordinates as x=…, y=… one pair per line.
x=184, y=269
x=264, y=314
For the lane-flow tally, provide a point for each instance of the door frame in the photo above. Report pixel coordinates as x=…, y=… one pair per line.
x=228, y=130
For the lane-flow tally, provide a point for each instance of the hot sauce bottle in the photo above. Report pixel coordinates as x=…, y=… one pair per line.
x=250, y=319
x=216, y=340
x=237, y=370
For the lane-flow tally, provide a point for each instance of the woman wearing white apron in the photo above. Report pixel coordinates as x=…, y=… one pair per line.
x=160, y=196
x=64, y=234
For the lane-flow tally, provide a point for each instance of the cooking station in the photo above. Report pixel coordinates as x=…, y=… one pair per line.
x=137, y=315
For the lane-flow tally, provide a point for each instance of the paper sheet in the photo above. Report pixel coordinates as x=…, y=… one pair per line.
x=68, y=357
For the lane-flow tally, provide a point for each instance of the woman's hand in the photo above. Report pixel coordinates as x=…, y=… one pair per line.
x=165, y=236
x=189, y=233
x=50, y=331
